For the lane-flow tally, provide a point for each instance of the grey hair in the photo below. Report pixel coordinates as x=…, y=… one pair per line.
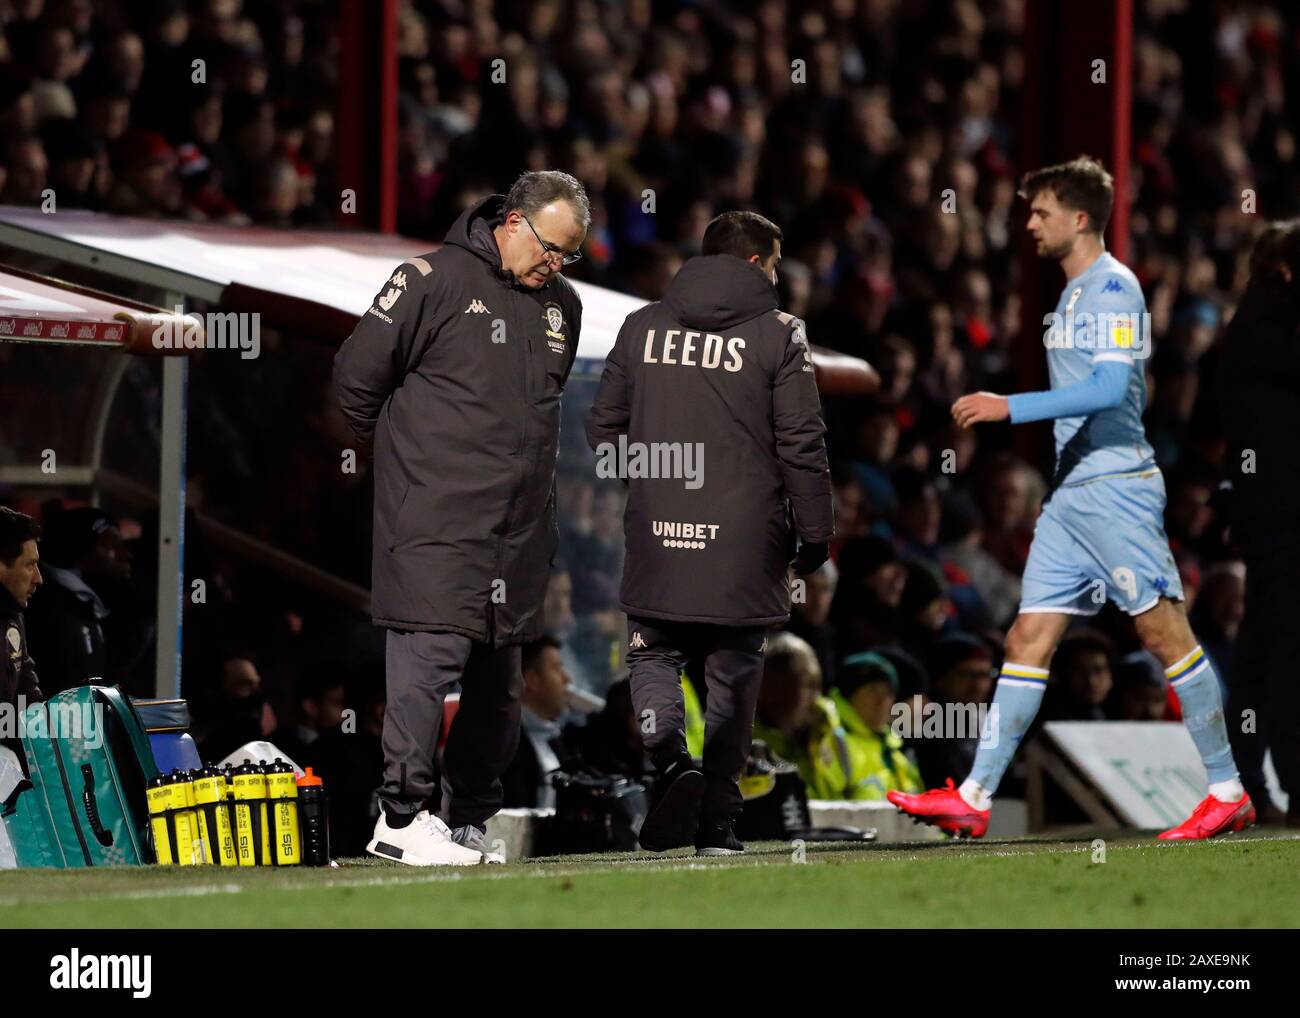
x=794, y=649
x=534, y=190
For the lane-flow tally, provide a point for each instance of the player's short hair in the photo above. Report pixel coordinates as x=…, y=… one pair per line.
x=743, y=234
x=534, y=190
x=16, y=529
x=1082, y=184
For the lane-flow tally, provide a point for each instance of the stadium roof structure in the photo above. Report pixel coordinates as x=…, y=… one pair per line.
x=36, y=309
x=318, y=280
x=308, y=280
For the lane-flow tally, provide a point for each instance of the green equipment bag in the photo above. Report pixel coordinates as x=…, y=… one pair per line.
x=30, y=829
x=89, y=763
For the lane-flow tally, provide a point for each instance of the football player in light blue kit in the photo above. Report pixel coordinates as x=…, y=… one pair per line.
x=1101, y=533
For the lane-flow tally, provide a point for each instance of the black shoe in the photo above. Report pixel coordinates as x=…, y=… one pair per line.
x=718, y=839
x=675, y=808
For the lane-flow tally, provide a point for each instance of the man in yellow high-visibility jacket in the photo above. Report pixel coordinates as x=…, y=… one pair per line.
x=865, y=697
x=842, y=743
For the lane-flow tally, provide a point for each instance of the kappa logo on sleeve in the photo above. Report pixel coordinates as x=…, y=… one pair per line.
x=1112, y=286
x=398, y=287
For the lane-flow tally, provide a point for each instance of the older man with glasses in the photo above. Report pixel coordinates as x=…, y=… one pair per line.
x=454, y=376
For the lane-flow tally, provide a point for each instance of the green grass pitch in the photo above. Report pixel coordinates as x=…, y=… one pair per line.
x=1246, y=880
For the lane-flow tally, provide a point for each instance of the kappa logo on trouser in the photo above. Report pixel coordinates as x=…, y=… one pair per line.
x=637, y=641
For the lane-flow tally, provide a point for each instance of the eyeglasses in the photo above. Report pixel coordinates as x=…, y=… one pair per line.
x=566, y=257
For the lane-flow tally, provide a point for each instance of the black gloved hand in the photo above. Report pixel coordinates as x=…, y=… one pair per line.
x=810, y=558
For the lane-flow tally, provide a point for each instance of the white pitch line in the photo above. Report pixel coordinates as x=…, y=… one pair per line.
x=157, y=892
x=437, y=875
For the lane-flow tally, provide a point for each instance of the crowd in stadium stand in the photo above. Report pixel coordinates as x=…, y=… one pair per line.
x=670, y=113
x=215, y=110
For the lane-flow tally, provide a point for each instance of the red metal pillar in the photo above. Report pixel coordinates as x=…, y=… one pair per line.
x=1071, y=106
x=366, y=126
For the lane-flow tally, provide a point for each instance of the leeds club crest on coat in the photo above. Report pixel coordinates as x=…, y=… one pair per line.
x=555, y=337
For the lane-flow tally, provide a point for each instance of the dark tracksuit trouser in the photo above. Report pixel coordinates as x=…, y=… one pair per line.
x=1264, y=678
x=420, y=669
x=730, y=659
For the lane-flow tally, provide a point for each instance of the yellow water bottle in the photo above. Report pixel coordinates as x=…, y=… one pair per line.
x=214, y=820
x=282, y=802
x=159, y=799
x=184, y=830
x=252, y=838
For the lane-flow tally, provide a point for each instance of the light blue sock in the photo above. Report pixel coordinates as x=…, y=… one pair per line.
x=1197, y=686
x=1015, y=704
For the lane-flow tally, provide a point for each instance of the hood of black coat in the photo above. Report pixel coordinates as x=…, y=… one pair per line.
x=715, y=292
x=473, y=231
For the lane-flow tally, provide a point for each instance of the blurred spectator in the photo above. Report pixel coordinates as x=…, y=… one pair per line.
x=317, y=708
x=27, y=171
x=526, y=782
x=864, y=698
x=805, y=728
x=810, y=619
x=585, y=647
x=146, y=182
x=962, y=679
x=236, y=711
x=1216, y=617
x=866, y=608
x=997, y=588
x=1081, y=677
x=1259, y=368
x=1012, y=494
x=78, y=164
x=924, y=608
x=82, y=554
x=1141, y=692
x=351, y=764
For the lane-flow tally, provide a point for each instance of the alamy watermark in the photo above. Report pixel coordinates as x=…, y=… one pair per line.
x=213, y=331
x=946, y=721
x=1126, y=332
x=77, y=971
x=636, y=460
x=83, y=722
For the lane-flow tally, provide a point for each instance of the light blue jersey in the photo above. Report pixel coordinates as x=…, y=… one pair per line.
x=1099, y=320
x=1100, y=536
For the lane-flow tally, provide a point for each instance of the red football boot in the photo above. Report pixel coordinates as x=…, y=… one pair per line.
x=945, y=809
x=1212, y=818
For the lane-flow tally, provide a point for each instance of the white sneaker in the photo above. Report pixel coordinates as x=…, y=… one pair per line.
x=471, y=837
x=425, y=841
